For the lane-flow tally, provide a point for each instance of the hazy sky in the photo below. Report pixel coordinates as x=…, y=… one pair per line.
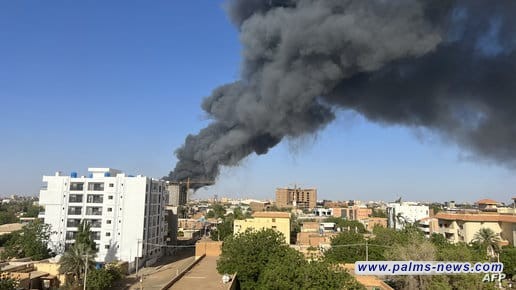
x=119, y=84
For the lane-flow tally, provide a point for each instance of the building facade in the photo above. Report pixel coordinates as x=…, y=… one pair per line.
x=302, y=198
x=402, y=213
x=126, y=213
x=178, y=194
x=352, y=213
x=462, y=227
x=278, y=221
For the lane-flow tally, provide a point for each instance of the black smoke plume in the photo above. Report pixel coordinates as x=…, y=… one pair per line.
x=448, y=66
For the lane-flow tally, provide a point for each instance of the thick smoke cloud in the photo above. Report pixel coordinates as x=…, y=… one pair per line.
x=444, y=65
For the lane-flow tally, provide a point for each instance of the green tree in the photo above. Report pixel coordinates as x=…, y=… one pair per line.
x=210, y=214
x=7, y=217
x=218, y=210
x=347, y=225
x=417, y=249
x=239, y=214
x=222, y=230
x=263, y=261
x=295, y=228
x=31, y=241
x=101, y=279
x=508, y=258
x=75, y=260
x=83, y=235
x=436, y=207
x=32, y=210
x=292, y=271
x=347, y=247
x=8, y=283
x=249, y=253
x=377, y=212
x=489, y=240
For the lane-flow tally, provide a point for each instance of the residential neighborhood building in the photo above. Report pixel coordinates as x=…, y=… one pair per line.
x=462, y=226
x=401, y=213
x=371, y=222
x=177, y=193
x=302, y=198
x=352, y=213
x=279, y=221
x=429, y=225
x=126, y=213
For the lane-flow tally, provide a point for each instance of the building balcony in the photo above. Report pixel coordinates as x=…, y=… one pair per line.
x=95, y=198
x=449, y=230
x=95, y=223
x=75, y=198
x=73, y=223
x=75, y=211
x=95, y=235
x=93, y=211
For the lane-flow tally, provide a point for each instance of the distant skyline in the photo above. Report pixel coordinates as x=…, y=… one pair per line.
x=119, y=84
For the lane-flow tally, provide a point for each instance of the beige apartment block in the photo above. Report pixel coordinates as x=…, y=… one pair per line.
x=352, y=213
x=302, y=198
x=279, y=221
x=462, y=227
x=372, y=222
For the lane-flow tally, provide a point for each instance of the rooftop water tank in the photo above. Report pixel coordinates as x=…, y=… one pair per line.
x=107, y=174
x=73, y=174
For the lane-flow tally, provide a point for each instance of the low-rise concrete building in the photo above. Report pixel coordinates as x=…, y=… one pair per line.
x=302, y=198
x=462, y=226
x=402, y=213
x=352, y=213
x=279, y=221
x=371, y=222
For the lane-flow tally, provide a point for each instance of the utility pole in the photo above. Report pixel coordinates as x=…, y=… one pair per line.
x=86, y=270
x=366, y=250
x=137, y=256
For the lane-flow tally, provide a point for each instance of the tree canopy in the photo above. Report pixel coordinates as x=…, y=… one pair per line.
x=31, y=241
x=263, y=261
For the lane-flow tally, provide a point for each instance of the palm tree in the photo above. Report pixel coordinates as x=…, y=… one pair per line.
x=75, y=259
x=83, y=235
x=487, y=238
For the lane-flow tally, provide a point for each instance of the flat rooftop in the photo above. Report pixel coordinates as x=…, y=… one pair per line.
x=271, y=214
x=477, y=217
x=203, y=275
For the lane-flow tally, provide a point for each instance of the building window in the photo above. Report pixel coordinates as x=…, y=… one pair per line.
x=72, y=223
x=273, y=220
x=106, y=247
x=95, y=235
x=108, y=222
x=273, y=227
x=76, y=186
x=95, y=186
x=111, y=185
x=74, y=210
x=109, y=209
x=70, y=235
x=75, y=198
x=95, y=198
x=91, y=210
x=94, y=223
x=110, y=197
x=108, y=234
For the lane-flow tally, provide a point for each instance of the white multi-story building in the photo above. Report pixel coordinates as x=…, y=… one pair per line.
x=126, y=213
x=401, y=213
